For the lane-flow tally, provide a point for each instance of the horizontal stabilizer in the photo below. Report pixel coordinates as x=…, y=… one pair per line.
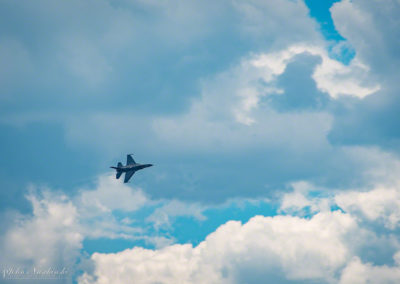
x=119, y=174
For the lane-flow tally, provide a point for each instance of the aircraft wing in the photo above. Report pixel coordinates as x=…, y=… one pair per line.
x=128, y=176
x=130, y=160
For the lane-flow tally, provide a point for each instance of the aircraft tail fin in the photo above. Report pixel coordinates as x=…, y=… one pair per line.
x=130, y=160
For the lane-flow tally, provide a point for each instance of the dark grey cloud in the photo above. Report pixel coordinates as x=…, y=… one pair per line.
x=372, y=121
x=72, y=67
x=300, y=92
x=142, y=54
x=105, y=81
x=375, y=34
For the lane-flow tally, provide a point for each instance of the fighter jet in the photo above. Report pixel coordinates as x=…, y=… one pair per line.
x=130, y=168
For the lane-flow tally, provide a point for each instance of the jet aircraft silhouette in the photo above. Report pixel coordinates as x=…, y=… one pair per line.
x=130, y=168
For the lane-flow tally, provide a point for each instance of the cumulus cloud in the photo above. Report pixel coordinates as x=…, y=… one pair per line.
x=53, y=234
x=96, y=209
x=51, y=237
x=287, y=245
x=381, y=204
x=358, y=272
x=323, y=245
x=300, y=199
x=330, y=75
x=329, y=246
x=111, y=195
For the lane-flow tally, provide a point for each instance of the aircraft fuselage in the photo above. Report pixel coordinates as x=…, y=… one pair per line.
x=134, y=167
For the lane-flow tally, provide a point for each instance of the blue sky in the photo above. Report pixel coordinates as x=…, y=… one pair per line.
x=272, y=125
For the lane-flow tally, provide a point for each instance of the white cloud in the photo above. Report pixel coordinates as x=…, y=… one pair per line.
x=50, y=237
x=328, y=247
x=381, y=203
x=330, y=75
x=357, y=272
x=110, y=194
x=300, y=249
x=296, y=201
x=96, y=207
x=230, y=114
x=161, y=217
x=53, y=234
